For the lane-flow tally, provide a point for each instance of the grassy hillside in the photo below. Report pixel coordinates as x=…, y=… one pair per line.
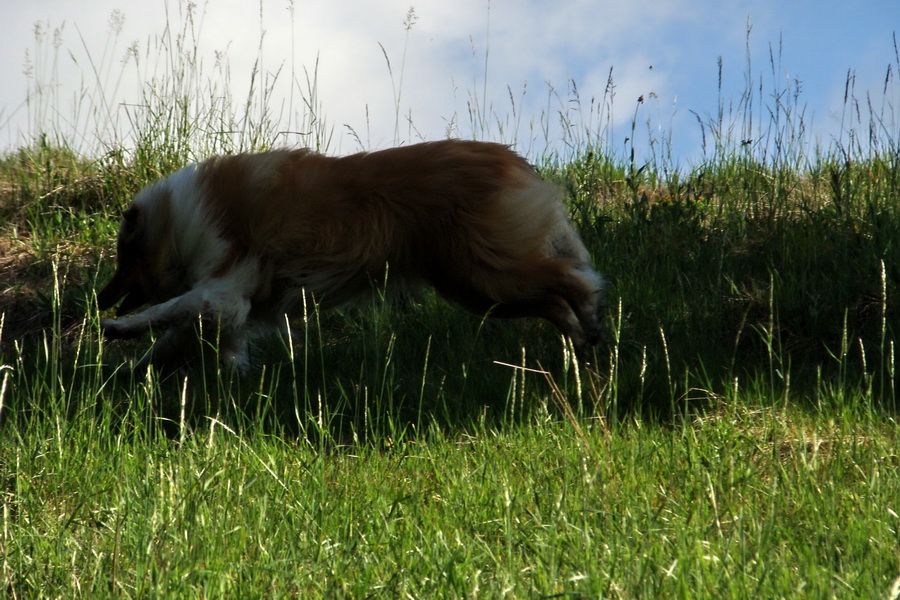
x=736, y=273
x=735, y=436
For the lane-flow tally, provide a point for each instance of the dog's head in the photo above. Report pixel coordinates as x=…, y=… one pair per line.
x=144, y=250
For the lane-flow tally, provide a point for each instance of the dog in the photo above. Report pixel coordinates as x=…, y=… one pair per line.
x=237, y=242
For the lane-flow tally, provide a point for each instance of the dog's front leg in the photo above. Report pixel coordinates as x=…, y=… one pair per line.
x=217, y=302
x=179, y=310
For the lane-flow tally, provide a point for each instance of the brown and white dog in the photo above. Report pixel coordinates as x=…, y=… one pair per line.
x=239, y=241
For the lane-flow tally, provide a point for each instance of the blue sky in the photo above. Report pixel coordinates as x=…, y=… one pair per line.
x=519, y=61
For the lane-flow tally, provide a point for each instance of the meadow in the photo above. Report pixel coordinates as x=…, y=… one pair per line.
x=734, y=437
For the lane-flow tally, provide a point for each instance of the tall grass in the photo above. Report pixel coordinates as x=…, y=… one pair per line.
x=735, y=436
x=108, y=493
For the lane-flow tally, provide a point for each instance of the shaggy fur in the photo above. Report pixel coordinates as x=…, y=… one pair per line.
x=239, y=241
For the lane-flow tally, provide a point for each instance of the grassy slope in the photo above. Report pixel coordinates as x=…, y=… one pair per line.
x=738, y=439
x=740, y=504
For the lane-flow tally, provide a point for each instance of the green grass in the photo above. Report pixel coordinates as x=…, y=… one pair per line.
x=739, y=501
x=736, y=436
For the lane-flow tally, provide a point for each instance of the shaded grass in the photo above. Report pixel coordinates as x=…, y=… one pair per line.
x=732, y=258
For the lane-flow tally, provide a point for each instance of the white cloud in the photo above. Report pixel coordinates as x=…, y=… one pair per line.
x=530, y=45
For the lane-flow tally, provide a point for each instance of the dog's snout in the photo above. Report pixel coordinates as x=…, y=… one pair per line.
x=117, y=288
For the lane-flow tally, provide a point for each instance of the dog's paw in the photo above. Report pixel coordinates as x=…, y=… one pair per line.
x=118, y=329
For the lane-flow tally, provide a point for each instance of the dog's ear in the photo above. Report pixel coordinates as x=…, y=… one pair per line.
x=122, y=284
x=131, y=236
x=130, y=221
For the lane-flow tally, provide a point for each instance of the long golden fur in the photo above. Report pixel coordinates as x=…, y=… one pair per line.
x=239, y=241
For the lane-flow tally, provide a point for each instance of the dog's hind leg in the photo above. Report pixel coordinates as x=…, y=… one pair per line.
x=587, y=301
x=555, y=309
x=580, y=284
x=553, y=291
